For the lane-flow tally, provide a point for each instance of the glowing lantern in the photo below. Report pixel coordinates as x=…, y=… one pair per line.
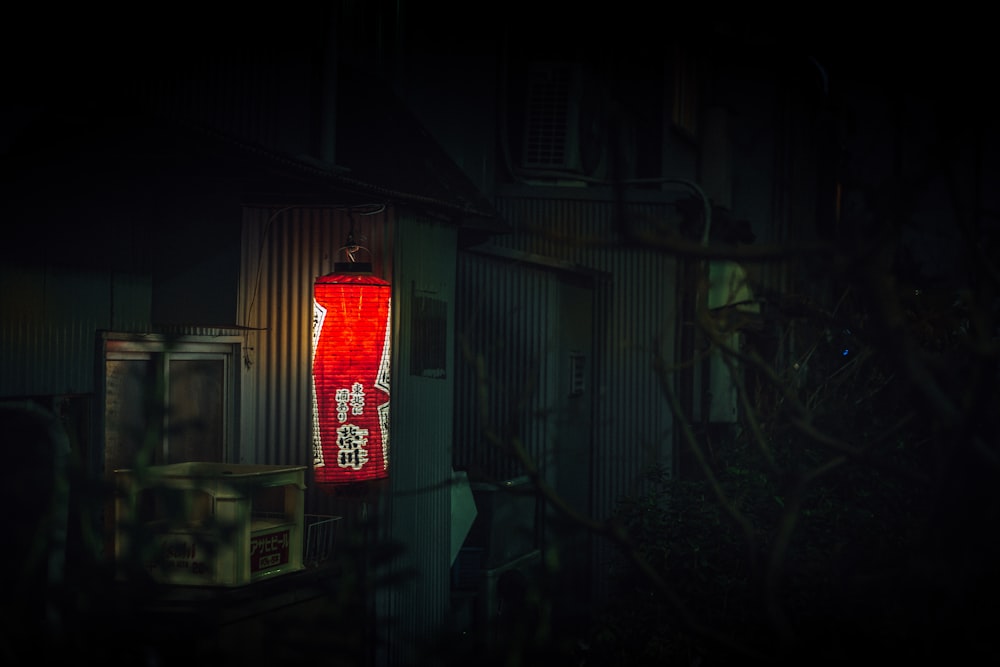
x=350, y=378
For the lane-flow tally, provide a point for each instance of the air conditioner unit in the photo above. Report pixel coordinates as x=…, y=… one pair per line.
x=565, y=123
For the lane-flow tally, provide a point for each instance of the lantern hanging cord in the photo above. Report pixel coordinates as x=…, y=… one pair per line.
x=350, y=248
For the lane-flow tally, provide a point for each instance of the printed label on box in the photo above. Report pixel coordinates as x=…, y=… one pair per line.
x=269, y=550
x=178, y=555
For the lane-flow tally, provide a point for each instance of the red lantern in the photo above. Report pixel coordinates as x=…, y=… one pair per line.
x=350, y=378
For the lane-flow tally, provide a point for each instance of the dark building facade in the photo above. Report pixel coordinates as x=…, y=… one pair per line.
x=543, y=194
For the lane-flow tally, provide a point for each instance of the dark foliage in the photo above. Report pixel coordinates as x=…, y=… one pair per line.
x=847, y=519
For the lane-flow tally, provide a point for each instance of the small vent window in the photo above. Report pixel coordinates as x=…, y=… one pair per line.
x=577, y=373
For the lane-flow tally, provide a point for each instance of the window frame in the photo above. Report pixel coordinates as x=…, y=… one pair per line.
x=161, y=350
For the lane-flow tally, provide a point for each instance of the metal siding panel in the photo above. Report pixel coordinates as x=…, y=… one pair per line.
x=420, y=470
x=511, y=307
x=635, y=308
x=289, y=247
x=298, y=245
x=48, y=330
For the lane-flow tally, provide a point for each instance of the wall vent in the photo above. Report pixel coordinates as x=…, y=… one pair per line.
x=577, y=373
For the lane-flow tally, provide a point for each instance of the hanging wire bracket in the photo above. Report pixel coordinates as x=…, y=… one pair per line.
x=350, y=250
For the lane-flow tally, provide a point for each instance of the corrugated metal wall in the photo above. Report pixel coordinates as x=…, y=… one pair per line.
x=635, y=315
x=413, y=611
x=284, y=250
x=504, y=324
x=49, y=319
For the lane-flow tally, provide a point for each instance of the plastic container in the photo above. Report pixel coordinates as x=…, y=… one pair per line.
x=210, y=524
x=506, y=522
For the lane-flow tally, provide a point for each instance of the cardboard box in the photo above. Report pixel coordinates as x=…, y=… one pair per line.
x=210, y=524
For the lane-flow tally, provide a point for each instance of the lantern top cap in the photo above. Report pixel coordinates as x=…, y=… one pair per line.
x=351, y=278
x=352, y=267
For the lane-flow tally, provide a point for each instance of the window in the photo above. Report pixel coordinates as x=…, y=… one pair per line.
x=169, y=400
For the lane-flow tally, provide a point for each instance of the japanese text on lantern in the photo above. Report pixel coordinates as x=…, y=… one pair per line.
x=353, y=444
x=352, y=440
x=353, y=398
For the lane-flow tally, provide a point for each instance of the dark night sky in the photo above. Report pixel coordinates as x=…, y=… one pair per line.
x=44, y=51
